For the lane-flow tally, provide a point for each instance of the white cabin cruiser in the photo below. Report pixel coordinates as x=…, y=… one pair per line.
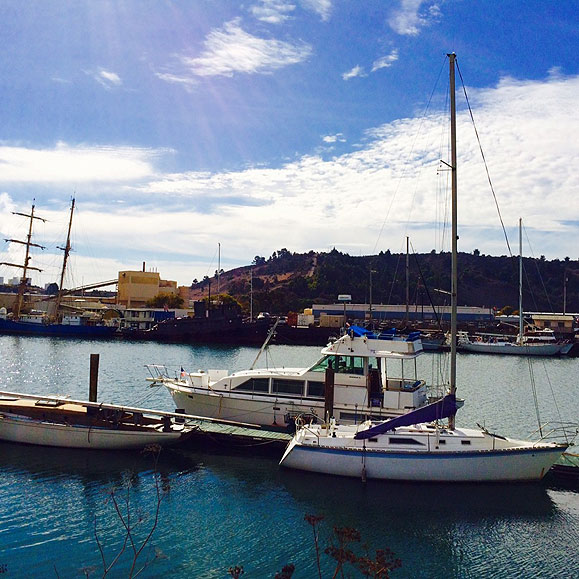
x=375, y=377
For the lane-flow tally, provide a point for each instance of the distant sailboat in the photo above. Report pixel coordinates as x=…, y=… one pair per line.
x=413, y=447
x=529, y=342
x=39, y=323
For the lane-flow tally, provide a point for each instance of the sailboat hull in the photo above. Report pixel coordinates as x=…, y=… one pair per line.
x=513, y=349
x=23, y=430
x=23, y=328
x=479, y=466
x=421, y=452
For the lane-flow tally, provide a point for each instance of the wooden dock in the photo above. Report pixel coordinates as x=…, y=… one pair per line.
x=567, y=467
x=236, y=436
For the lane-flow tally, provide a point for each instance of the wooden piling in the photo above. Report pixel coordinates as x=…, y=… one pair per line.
x=329, y=393
x=94, y=377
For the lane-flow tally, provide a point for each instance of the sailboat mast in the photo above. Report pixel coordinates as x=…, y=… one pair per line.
x=28, y=243
x=407, y=281
x=454, y=234
x=521, y=320
x=22, y=285
x=66, y=250
x=219, y=271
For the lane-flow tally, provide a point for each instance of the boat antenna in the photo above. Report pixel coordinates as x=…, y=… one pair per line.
x=265, y=344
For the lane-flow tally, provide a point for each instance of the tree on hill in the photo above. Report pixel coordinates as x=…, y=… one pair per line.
x=162, y=300
x=290, y=281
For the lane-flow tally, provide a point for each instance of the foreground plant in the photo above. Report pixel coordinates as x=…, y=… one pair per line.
x=341, y=550
x=124, y=512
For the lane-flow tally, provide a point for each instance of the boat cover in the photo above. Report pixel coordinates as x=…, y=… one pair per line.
x=359, y=332
x=444, y=408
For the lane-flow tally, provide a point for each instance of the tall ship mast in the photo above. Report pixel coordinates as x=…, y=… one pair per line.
x=26, y=265
x=66, y=250
x=82, y=324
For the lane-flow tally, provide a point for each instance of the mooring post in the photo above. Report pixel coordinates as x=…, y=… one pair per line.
x=94, y=377
x=329, y=393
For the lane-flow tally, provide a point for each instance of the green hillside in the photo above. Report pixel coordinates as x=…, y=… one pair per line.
x=289, y=281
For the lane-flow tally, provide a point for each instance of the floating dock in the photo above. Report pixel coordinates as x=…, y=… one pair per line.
x=567, y=467
x=236, y=436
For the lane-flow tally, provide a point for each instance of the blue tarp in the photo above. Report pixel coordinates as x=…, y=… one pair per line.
x=441, y=409
x=358, y=332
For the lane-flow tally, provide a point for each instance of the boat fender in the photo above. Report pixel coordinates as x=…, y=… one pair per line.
x=333, y=427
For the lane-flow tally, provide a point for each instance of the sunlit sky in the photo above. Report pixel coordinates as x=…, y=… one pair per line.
x=180, y=126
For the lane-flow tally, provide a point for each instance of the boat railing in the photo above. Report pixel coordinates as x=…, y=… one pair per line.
x=557, y=431
x=158, y=372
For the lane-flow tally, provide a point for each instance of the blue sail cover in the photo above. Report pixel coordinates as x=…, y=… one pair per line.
x=359, y=332
x=441, y=409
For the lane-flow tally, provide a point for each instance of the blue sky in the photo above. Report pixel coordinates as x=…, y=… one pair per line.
x=266, y=124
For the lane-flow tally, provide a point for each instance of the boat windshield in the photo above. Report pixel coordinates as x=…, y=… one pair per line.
x=343, y=364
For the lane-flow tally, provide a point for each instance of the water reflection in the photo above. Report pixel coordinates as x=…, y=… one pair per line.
x=225, y=509
x=46, y=463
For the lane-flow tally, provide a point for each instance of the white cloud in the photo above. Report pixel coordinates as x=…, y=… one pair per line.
x=355, y=72
x=272, y=11
x=528, y=131
x=231, y=50
x=408, y=19
x=337, y=138
x=385, y=61
x=107, y=78
x=321, y=7
x=75, y=164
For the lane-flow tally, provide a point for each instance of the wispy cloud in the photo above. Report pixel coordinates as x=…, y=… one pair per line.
x=412, y=15
x=321, y=7
x=272, y=11
x=107, y=78
x=355, y=72
x=231, y=50
x=385, y=61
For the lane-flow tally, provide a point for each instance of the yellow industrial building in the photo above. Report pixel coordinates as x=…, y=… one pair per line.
x=137, y=287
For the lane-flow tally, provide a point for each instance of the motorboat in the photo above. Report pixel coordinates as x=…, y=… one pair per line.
x=374, y=376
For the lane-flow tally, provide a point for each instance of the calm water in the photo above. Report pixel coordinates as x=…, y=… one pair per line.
x=221, y=510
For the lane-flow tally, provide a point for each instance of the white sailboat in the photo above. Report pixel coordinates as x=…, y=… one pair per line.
x=65, y=423
x=529, y=342
x=415, y=446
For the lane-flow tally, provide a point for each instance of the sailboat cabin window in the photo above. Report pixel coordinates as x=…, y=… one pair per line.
x=401, y=440
x=254, y=385
x=295, y=387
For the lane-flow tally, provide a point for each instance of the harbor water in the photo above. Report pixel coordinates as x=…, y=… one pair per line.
x=63, y=512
